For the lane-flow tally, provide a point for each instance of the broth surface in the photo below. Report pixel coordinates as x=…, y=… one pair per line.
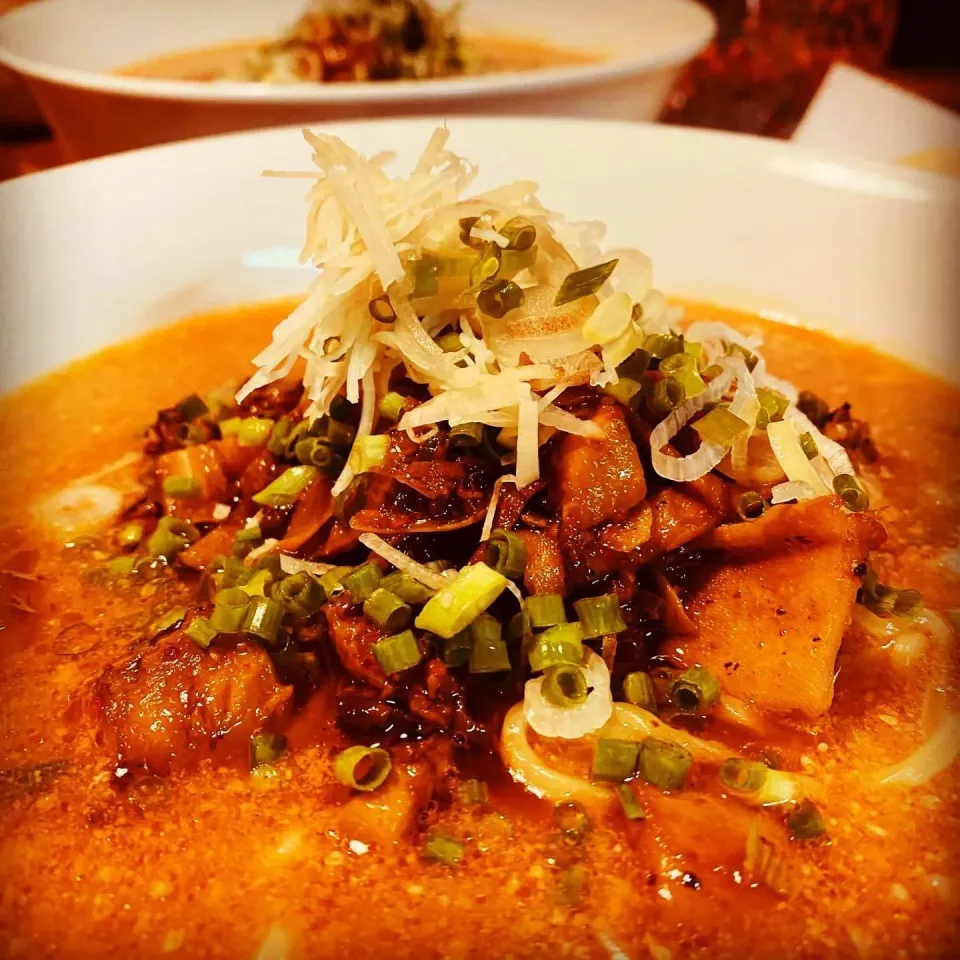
x=211, y=862
x=495, y=53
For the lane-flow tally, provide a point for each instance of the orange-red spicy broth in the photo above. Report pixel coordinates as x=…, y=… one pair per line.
x=213, y=860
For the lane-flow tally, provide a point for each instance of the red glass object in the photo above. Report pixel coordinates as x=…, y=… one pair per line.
x=769, y=57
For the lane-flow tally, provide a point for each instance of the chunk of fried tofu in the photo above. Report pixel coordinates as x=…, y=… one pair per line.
x=599, y=480
x=772, y=613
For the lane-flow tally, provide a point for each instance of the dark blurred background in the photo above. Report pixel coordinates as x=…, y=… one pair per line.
x=770, y=56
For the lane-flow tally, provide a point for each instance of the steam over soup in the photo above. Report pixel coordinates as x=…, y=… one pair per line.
x=500, y=607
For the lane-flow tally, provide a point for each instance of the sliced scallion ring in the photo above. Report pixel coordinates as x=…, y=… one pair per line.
x=362, y=768
x=564, y=685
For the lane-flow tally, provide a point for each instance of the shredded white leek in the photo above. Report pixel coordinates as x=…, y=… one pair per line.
x=785, y=443
x=571, y=722
x=369, y=233
x=402, y=562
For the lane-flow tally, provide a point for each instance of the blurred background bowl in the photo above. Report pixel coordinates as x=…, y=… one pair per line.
x=69, y=50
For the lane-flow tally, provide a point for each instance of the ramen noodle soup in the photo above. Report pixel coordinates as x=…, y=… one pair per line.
x=499, y=607
x=363, y=41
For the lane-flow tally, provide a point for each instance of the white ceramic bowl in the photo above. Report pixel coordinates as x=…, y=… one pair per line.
x=100, y=251
x=68, y=48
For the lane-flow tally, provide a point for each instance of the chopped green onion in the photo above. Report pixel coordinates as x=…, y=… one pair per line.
x=677, y=363
x=520, y=232
x=638, y=690
x=750, y=505
x=191, y=407
x=287, y=487
x=202, y=632
x=815, y=409
x=635, y=366
x=465, y=435
x=665, y=395
x=506, y=553
x=297, y=432
x=331, y=580
x=362, y=768
x=262, y=619
x=279, y=435
x=520, y=627
x=572, y=819
x=664, y=764
x=713, y=371
x=663, y=345
x=258, y=583
x=487, y=265
x=230, y=427
x=583, y=283
x=474, y=791
x=632, y=808
x=449, y=342
x=466, y=225
x=334, y=431
x=599, y=616
x=735, y=350
x=695, y=690
x=250, y=534
x=623, y=391
x=121, y=566
x=426, y=278
x=391, y=406
x=300, y=594
x=130, y=535
x=397, y=653
x=744, y=776
x=461, y=601
x=407, y=588
x=809, y=446
x=171, y=536
x=229, y=610
x=773, y=405
x=513, y=261
x=720, y=426
x=853, y=495
x=270, y=561
x=266, y=748
x=369, y=452
x=445, y=850
x=546, y=610
x=456, y=650
x=560, y=644
x=234, y=573
x=387, y=610
x=694, y=350
x=349, y=501
x=615, y=760
x=254, y=432
x=166, y=622
x=312, y=451
x=564, y=685
x=361, y=582
x=488, y=650
x=382, y=310
x=806, y=821
x=499, y=297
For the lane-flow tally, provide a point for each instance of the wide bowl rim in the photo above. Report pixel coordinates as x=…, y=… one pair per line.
x=946, y=186
x=399, y=91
